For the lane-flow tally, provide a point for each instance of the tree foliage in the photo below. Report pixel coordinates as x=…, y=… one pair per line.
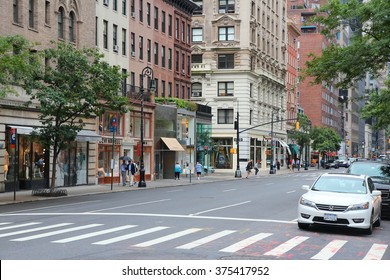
x=369, y=48
x=325, y=139
x=17, y=63
x=73, y=86
x=301, y=135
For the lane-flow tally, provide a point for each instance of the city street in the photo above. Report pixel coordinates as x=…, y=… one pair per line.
x=243, y=219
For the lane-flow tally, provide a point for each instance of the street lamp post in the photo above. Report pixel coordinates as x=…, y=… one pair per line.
x=146, y=72
x=271, y=168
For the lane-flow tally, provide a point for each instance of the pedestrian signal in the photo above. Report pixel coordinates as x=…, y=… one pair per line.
x=297, y=126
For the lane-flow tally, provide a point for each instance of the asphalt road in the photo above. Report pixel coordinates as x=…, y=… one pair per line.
x=248, y=219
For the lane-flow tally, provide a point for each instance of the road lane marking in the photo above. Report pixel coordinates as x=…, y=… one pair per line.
x=168, y=237
x=93, y=234
x=291, y=192
x=286, y=246
x=152, y=215
x=54, y=206
x=129, y=236
x=219, y=208
x=55, y=232
x=129, y=205
x=34, y=229
x=206, y=239
x=376, y=252
x=245, y=243
x=18, y=226
x=229, y=190
x=329, y=250
x=171, y=191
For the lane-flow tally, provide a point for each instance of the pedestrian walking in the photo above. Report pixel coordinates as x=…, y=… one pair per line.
x=256, y=167
x=124, y=169
x=133, y=170
x=198, y=169
x=248, y=168
x=298, y=164
x=292, y=165
x=278, y=164
x=177, y=171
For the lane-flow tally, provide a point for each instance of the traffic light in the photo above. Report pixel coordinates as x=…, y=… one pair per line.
x=297, y=125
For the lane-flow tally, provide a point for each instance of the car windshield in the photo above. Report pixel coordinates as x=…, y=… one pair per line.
x=340, y=185
x=373, y=170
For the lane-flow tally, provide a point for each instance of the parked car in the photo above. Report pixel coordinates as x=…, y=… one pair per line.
x=343, y=162
x=340, y=199
x=379, y=171
x=331, y=164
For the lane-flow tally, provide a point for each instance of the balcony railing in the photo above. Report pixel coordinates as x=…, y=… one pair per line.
x=134, y=92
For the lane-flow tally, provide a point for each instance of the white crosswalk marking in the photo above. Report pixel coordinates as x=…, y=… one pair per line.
x=19, y=226
x=244, y=243
x=129, y=236
x=206, y=239
x=93, y=234
x=34, y=229
x=376, y=252
x=4, y=224
x=168, y=237
x=286, y=246
x=330, y=250
x=55, y=232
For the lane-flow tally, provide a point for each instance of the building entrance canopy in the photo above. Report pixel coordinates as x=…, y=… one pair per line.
x=172, y=144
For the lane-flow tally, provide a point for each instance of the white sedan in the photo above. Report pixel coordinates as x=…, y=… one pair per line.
x=341, y=199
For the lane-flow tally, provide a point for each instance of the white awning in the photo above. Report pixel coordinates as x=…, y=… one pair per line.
x=284, y=144
x=172, y=144
x=82, y=136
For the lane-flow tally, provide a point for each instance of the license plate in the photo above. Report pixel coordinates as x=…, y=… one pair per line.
x=330, y=217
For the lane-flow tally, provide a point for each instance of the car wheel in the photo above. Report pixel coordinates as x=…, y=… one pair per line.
x=303, y=226
x=371, y=227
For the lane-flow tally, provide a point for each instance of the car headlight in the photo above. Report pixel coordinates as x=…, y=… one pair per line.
x=361, y=206
x=306, y=202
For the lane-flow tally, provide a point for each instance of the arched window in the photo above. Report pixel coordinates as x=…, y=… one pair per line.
x=72, y=37
x=61, y=23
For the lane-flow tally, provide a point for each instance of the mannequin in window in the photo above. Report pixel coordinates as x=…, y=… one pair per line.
x=6, y=163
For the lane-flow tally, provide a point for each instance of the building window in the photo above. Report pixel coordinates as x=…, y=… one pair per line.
x=61, y=23
x=225, y=61
x=183, y=69
x=197, y=58
x=199, y=10
x=96, y=30
x=148, y=13
x=163, y=21
x=124, y=44
x=132, y=8
x=183, y=29
x=177, y=28
x=225, y=116
x=225, y=88
x=115, y=37
x=16, y=11
x=170, y=25
x=226, y=33
x=163, y=56
x=31, y=13
x=47, y=12
x=149, y=50
x=72, y=37
x=105, y=3
x=141, y=47
x=156, y=53
x=162, y=88
x=124, y=7
x=105, y=34
x=226, y=6
x=169, y=89
x=170, y=59
x=197, y=34
x=115, y=5
x=141, y=10
x=132, y=43
x=196, y=90
x=177, y=61
x=156, y=18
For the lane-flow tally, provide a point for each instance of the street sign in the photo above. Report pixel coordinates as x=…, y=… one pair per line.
x=113, y=129
x=12, y=138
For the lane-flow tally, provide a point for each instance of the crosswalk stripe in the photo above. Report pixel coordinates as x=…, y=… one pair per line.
x=55, y=232
x=6, y=223
x=18, y=226
x=206, y=239
x=167, y=237
x=376, y=252
x=33, y=229
x=129, y=236
x=286, y=246
x=244, y=243
x=329, y=250
x=92, y=234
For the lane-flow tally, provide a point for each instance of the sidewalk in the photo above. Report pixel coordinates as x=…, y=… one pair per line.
x=219, y=175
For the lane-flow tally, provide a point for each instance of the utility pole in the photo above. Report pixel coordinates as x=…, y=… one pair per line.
x=237, y=174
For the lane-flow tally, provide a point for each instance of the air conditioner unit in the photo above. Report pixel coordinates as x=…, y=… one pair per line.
x=116, y=48
x=196, y=94
x=133, y=14
x=132, y=53
x=183, y=72
x=105, y=2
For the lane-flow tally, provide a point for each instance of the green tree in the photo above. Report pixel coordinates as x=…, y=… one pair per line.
x=17, y=63
x=369, y=48
x=73, y=86
x=301, y=135
x=325, y=139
